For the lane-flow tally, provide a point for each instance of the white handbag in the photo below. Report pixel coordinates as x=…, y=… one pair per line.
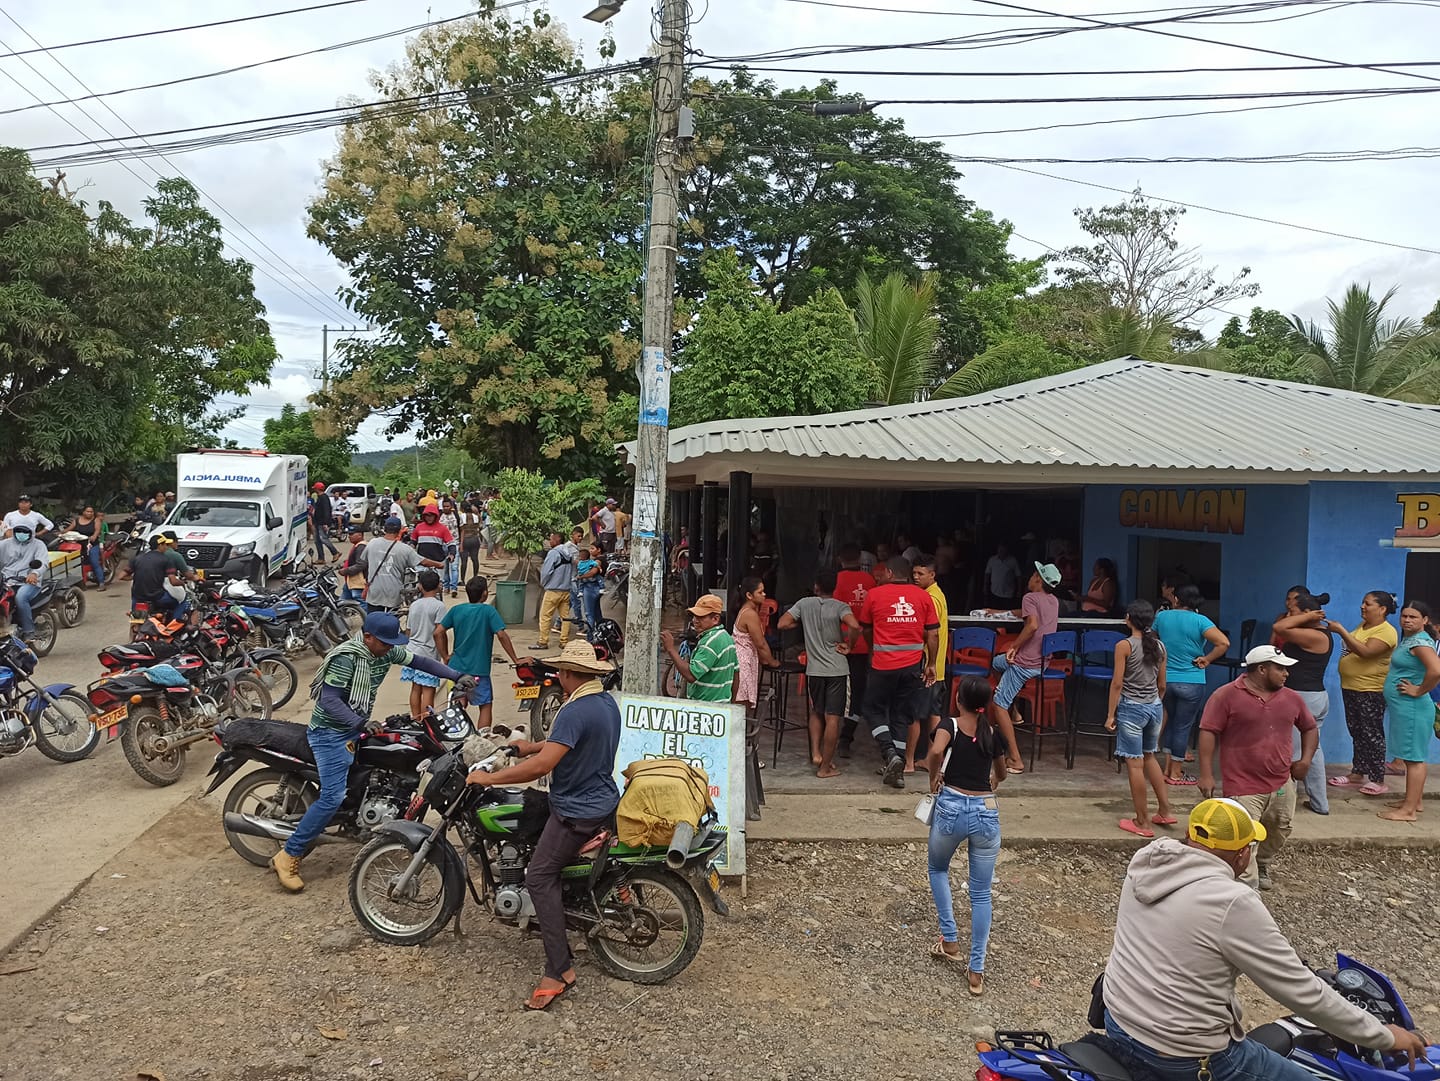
x=925, y=809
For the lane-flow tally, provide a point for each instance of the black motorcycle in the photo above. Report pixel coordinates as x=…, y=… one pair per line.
x=264, y=807
x=639, y=908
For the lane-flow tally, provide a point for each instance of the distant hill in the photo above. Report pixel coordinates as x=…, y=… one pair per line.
x=377, y=459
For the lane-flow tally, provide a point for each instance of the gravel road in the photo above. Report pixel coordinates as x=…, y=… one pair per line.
x=179, y=961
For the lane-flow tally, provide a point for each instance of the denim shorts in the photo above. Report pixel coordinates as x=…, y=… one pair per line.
x=1137, y=728
x=1012, y=681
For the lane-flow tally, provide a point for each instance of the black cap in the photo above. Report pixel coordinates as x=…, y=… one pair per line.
x=24, y=499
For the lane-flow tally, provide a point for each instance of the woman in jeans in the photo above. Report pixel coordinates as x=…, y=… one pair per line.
x=1136, y=716
x=1303, y=636
x=967, y=764
x=1363, y=668
x=1192, y=644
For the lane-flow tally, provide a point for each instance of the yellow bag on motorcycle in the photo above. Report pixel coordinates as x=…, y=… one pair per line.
x=659, y=794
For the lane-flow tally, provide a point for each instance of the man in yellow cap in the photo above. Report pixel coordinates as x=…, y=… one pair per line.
x=1186, y=927
x=709, y=671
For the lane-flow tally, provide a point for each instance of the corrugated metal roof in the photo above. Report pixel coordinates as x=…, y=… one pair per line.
x=1125, y=414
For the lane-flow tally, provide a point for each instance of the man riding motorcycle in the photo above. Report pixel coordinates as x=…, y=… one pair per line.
x=1186, y=927
x=23, y=559
x=344, y=692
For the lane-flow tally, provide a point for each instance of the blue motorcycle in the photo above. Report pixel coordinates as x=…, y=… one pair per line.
x=54, y=718
x=1033, y=1056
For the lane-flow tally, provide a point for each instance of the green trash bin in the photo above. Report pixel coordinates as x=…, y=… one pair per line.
x=510, y=602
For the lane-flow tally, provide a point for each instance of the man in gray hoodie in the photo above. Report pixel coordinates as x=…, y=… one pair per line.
x=1175, y=1008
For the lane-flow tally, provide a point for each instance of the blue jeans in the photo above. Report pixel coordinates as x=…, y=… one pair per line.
x=1244, y=1060
x=958, y=819
x=97, y=567
x=1182, y=708
x=1012, y=681
x=452, y=572
x=1316, y=790
x=334, y=751
x=590, y=594
x=323, y=541
x=24, y=594
x=349, y=594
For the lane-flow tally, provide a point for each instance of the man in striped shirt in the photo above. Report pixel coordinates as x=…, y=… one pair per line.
x=709, y=671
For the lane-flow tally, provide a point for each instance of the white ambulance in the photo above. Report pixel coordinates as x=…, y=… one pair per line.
x=240, y=513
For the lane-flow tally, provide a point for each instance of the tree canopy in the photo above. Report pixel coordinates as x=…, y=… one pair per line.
x=115, y=337
x=294, y=432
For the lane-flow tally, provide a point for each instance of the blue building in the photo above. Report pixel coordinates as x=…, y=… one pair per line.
x=1249, y=485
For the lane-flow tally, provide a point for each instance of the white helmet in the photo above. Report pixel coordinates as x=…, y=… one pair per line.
x=240, y=589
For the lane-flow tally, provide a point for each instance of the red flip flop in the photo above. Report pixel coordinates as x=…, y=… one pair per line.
x=1164, y=820
x=1128, y=825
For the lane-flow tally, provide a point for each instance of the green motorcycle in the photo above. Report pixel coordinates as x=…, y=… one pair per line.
x=639, y=908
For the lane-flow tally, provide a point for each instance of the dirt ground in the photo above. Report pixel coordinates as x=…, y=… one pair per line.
x=180, y=961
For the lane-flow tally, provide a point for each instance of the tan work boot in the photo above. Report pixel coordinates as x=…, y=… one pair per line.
x=287, y=867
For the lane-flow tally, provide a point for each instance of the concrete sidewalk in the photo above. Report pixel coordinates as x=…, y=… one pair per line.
x=1027, y=820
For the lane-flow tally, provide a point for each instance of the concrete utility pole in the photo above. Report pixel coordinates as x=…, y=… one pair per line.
x=325, y=350
x=647, y=548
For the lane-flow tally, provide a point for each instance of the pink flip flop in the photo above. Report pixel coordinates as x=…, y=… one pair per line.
x=1341, y=782
x=1164, y=820
x=1128, y=825
x=1370, y=788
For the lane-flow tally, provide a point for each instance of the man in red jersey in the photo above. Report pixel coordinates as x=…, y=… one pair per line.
x=903, y=630
x=852, y=584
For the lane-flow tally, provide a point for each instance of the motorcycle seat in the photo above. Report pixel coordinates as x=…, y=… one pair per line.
x=281, y=736
x=1274, y=1036
x=1095, y=1061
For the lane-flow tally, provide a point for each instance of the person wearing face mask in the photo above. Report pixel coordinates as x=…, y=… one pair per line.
x=1174, y=1008
x=23, y=560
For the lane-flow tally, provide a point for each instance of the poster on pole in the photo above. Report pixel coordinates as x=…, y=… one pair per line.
x=708, y=735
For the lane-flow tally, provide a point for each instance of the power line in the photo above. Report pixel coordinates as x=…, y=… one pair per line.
x=335, y=47
x=1407, y=153
x=180, y=29
x=1239, y=9
x=1106, y=99
x=260, y=258
x=1226, y=213
x=976, y=73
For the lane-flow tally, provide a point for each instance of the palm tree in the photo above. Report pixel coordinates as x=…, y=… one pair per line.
x=898, y=331
x=1366, y=352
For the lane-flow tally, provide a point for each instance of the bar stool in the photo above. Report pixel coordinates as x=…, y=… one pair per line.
x=1046, y=694
x=972, y=653
x=1097, y=666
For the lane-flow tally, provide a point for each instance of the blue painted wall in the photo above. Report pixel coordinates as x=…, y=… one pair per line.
x=1325, y=534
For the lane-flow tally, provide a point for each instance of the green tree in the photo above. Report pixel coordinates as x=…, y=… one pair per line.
x=530, y=507
x=746, y=357
x=899, y=334
x=1015, y=359
x=115, y=337
x=809, y=202
x=1137, y=261
x=1362, y=350
x=294, y=432
x=495, y=241
x=1432, y=321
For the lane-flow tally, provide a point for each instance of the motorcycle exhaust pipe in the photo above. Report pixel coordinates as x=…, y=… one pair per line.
x=319, y=642
x=679, y=850
x=251, y=826
x=163, y=745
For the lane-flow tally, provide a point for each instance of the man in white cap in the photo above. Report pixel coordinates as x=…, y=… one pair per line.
x=603, y=523
x=579, y=755
x=1174, y=1008
x=1253, y=719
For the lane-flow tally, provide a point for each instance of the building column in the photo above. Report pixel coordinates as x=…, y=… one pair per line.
x=709, y=533
x=692, y=508
x=738, y=559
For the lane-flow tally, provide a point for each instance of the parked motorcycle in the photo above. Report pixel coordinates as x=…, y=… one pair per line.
x=159, y=711
x=538, y=692
x=617, y=581
x=47, y=623
x=1033, y=1056
x=55, y=718
x=264, y=806
x=638, y=907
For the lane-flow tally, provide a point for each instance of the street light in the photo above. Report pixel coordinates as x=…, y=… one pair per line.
x=605, y=10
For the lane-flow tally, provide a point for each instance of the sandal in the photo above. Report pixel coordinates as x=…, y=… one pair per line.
x=1184, y=780
x=1370, y=788
x=938, y=950
x=976, y=989
x=1163, y=820
x=1393, y=771
x=541, y=998
x=1129, y=826
x=1341, y=782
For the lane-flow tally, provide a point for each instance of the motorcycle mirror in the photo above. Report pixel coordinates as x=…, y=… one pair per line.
x=35, y=564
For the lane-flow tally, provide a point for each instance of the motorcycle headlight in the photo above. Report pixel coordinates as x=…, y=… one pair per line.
x=243, y=549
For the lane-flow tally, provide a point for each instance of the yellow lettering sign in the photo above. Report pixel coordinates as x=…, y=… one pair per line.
x=1198, y=510
x=1419, y=514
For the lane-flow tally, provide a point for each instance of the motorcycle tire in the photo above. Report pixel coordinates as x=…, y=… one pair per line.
x=47, y=629
x=354, y=616
x=247, y=696
x=259, y=575
x=140, y=727
x=672, y=683
x=439, y=890
x=279, y=677
x=542, y=716
x=295, y=796
x=633, y=897
x=63, y=730
x=71, y=607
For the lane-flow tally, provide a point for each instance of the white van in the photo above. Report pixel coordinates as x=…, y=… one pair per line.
x=240, y=513
x=359, y=500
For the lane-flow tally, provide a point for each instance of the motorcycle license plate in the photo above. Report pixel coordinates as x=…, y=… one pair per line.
x=112, y=719
x=522, y=693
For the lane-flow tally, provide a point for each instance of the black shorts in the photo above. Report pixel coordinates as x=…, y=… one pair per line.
x=827, y=694
x=939, y=699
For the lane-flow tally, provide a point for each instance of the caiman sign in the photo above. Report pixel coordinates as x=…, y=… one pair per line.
x=1189, y=510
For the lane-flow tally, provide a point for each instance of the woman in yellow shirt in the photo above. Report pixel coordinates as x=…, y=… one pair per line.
x=1363, y=667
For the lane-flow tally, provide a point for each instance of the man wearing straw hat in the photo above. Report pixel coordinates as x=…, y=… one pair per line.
x=579, y=755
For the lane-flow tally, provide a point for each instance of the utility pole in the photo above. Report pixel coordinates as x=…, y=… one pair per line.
x=325, y=350
x=647, y=555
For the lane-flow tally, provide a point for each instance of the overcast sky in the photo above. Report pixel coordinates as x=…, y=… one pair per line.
x=264, y=187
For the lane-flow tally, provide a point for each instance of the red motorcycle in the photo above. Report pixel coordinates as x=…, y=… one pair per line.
x=47, y=623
